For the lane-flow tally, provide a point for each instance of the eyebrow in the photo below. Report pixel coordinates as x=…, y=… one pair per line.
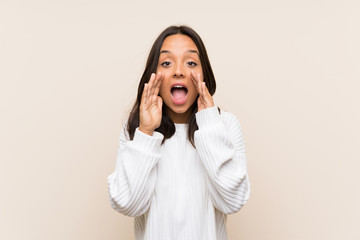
x=191, y=51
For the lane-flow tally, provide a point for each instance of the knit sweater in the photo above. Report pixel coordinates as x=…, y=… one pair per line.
x=177, y=192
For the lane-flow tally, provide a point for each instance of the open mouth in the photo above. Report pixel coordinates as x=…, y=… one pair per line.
x=179, y=94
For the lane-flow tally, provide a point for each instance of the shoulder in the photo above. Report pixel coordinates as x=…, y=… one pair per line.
x=234, y=130
x=124, y=134
x=230, y=119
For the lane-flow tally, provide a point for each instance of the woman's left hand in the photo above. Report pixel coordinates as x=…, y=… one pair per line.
x=205, y=100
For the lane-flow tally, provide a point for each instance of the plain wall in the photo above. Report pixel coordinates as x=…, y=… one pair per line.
x=289, y=70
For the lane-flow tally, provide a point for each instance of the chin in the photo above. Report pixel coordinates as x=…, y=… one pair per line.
x=179, y=109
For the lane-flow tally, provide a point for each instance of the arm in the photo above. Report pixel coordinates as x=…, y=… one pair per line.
x=219, y=142
x=132, y=183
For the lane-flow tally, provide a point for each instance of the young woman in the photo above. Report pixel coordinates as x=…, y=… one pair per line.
x=181, y=162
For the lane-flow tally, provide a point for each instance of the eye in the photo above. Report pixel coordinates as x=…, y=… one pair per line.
x=193, y=64
x=165, y=64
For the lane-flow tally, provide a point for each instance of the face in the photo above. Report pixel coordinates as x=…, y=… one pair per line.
x=178, y=57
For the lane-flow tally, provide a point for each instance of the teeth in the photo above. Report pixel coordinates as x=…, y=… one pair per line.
x=178, y=86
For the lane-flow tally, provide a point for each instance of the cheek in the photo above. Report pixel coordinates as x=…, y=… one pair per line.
x=164, y=87
x=161, y=90
x=192, y=89
x=193, y=93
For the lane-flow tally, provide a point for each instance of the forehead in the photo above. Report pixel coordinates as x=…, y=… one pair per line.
x=178, y=43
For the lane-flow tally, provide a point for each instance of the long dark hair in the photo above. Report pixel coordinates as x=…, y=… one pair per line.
x=167, y=127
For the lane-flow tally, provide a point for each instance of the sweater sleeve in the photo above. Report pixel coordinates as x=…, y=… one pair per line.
x=220, y=144
x=132, y=183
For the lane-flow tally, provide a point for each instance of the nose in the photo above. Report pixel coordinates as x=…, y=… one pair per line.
x=178, y=74
x=178, y=71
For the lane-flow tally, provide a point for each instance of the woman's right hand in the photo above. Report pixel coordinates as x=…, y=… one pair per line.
x=151, y=105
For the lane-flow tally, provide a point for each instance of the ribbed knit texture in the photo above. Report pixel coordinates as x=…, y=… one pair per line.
x=177, y=192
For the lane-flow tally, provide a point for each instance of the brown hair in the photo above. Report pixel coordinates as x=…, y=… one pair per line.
x=167, y=127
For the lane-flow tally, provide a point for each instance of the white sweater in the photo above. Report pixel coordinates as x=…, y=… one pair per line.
x=177, y=192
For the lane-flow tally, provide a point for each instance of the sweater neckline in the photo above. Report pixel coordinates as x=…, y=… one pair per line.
x=181, y=125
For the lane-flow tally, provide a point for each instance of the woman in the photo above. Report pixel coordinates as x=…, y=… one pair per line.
x=181, y=162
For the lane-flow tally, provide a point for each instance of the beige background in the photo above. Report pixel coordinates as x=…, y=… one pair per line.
x=289, y=70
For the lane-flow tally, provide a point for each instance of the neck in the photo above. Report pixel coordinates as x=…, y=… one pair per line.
x=179, y=117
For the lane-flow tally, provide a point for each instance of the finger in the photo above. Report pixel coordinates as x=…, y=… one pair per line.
x=158, y=84
x=195, y=81
x=150, y=84
x=204, y=89
x=207, y=92
x=199, y=78
x=144, y=94
x=207, y=96
x=159, y=102
x=151, y=81
x=200, y=83
x=193, y=76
